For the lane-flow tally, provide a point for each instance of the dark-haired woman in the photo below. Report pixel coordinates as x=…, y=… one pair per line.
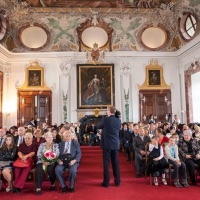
x=56, y=137
x=8, y=153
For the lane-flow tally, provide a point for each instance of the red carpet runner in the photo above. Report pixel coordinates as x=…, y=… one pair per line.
x=89, y=179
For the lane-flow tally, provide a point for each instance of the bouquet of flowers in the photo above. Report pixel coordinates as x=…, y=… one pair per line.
x=49, y=157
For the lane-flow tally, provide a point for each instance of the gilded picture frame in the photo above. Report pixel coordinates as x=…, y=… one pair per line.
x=95, y=85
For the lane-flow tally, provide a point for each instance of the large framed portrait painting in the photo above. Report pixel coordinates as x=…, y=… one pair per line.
x=95, y=85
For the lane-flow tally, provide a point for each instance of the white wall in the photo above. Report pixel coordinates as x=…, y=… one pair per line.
x=173, y=69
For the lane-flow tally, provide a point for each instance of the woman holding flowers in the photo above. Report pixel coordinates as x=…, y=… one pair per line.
x=47, y=154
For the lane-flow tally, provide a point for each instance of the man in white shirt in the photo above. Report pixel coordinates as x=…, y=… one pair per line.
x=72, y=147
x=20, y=137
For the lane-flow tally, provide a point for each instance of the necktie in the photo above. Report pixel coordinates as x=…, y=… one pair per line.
x=1, y=139
x=173, y=152
x=67, y=147
x=20, y=140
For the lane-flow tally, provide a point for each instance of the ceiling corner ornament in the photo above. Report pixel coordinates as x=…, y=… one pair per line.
x=154, y=77
x=96, y=112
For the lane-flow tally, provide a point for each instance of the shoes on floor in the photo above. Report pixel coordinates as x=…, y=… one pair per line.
x=155, y=181
x=52, y=188
x=8, y=189
x=71, y=190
x=164, y=181
x=64, y=190
x=138, y=175
x=185, y=183
x=16, y=190
x=177, y=184
x=38, y=192
x=104, y=185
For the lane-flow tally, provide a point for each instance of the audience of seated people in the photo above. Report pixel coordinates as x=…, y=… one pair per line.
x=182, y=139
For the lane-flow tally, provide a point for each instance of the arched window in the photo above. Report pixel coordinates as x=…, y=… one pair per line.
x=188, y=26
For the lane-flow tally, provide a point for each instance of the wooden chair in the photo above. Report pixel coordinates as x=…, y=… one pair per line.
x=32, y=174
x=146, y=160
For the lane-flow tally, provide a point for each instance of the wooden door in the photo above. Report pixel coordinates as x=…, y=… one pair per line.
x=156, y=103
x=35, y=105
x=43, y=111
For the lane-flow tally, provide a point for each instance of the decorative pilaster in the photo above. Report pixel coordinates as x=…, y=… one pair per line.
x=65, y=68
x=126, y=97
x=125, y=71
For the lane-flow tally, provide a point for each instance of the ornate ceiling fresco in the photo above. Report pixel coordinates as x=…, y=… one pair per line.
x=59, y=20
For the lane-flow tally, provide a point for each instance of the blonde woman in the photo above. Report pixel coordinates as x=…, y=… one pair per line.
x=43, y=165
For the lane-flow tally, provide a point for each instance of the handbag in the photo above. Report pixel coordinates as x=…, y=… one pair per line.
x=65, y=158
x=22, y=163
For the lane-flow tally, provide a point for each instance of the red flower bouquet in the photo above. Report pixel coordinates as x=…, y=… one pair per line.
x=49, y=157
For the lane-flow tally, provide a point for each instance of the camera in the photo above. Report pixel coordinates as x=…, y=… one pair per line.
x=118, y=114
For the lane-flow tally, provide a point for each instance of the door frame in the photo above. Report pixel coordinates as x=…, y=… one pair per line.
x=188, y=91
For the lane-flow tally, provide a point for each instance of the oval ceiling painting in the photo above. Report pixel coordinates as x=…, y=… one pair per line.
x=34, y=37
x=154, y=38
x=94, y=35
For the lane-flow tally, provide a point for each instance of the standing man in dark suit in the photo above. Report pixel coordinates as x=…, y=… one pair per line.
x=110, y=144
x=68, y=146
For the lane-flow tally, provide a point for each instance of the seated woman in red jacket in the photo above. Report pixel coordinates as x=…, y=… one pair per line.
x=8, y=153
x=26, y=150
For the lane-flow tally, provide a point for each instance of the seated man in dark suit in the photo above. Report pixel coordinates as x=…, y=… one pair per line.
x=20, y=137
x=139, y=143
x=93, y=134
x=68, y=146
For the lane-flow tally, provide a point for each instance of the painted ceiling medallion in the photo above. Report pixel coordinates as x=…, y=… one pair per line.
x=34, y=37
x=94, y=35
x=154, y=38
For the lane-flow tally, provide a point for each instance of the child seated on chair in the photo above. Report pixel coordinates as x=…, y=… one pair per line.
x=156, y=163
x=173, y=158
